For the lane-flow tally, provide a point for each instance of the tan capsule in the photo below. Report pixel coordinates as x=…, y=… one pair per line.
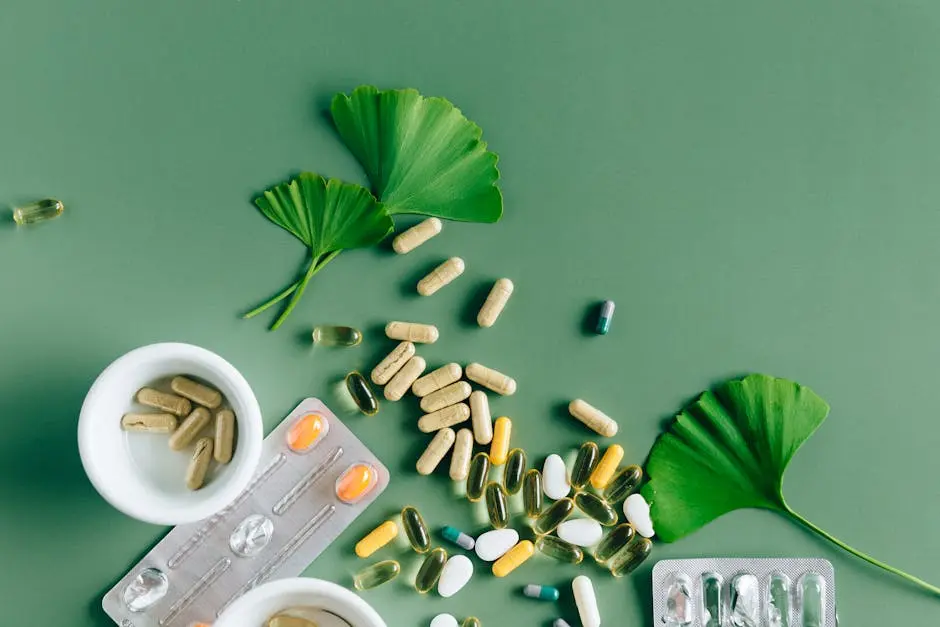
x=224, y=435
x=196, y=392
x=199, y=464
x=412, y=332
x=495, y=302
x=460, y=460
x=481, y=419
x=407, y=241
x=446, y=396
x=172, y=403
x=435, y=451
x=187, y=432
x=392, y=363
x=433, y=381
x=593, y=418
x=403, y=379
x=149, y=423
x=447, y=417
x=492, y=379
x=441, y=276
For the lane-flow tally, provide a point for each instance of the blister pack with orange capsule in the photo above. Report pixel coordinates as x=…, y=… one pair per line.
x=315, y=477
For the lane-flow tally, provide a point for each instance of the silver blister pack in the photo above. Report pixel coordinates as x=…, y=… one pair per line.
x=744, y=592
x=285, y=518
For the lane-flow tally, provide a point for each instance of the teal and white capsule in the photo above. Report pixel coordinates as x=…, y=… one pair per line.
x=542, y=593
x=458, y=537
x=603, y=321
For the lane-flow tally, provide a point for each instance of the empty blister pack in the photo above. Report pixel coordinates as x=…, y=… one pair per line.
x=314, y=478
x=744, y=592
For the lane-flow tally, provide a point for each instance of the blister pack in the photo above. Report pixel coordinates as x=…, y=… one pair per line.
x=314, y=478
x=744, y=592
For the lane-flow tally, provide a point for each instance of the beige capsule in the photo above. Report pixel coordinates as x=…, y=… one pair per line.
x=408, y=240
x=403, y=379
x=412, y=332
x=433, y=381
x=441, y=276
x=492, y=379
x=172, y=403
x=480, y=417
x=149, y=423
x=224, y=435
x=446, y=396
x=196, y=392
x=435, y=451
x=460, y=460
x=495, y=302
x=447, y=417
x=593, y=418
x=187, y=432
x=199, y=464
x=392, y=363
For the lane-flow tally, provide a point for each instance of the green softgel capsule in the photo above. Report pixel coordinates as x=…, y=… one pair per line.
x=627, y=560
x=471, y=621
x=332, y=335
x=623, y=484
x=38, y=211
x=554, y=516
x=515, y=469
x=532, y=493
x=584, y=464
x=430, y=570
x=497, y=505
x=476, y=477
x=596, y=507
x=618, y=538
x=556, y=548
x=361, y=393
x=415, y=530
x=376, y=575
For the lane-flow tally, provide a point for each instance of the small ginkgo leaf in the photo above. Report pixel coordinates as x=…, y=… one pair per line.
x=422, y=155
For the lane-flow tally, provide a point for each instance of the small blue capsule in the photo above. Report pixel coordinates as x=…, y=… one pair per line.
x=458, y=537
x=543, y=593
x=603, y=321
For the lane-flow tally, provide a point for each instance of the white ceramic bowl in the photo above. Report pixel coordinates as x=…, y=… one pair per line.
x=137, y=472
x=258, y=605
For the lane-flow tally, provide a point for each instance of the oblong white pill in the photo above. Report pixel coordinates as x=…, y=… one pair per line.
x=555, y=477
x=492, y=545
x=444, y=620
x=637, y=511
x=580, y=531
x=457, y=572
x=586, y=601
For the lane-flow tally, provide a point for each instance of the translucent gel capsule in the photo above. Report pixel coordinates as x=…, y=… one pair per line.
x=714, y=610
x=251, y=535
x=361, y=393
x=514, y=558
x=471, y=621
x=515, y=469
x=778, y=601
x=623, y=483
x=558, y=549
x=554, y=515
x=148, y=587
x=619, y=537
x=331, y=335
x=377, y=538
x=476, y=479
x=430, y=570
x=376, y=574
x=596, y=507
x=813, y=600
x=532, y=493
x=627, y=560
x=584, y=464
x=38, y=211
x=415, y=530
x=306, y=432
x=497, y=505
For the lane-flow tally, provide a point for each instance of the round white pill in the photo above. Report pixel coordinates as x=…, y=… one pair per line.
x=586, y=601
x=443, y=620
x=580, y=531
x=555, y=478
x=492, y=545
x=457, y=572
x=637, y=511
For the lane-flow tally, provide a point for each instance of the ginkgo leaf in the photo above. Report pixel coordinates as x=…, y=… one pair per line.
x=422, y=155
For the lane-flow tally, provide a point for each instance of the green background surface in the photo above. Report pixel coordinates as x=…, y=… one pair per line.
x=754, y=183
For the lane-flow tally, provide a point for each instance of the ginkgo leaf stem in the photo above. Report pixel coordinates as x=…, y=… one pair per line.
x=315, y=266
x=273, y=301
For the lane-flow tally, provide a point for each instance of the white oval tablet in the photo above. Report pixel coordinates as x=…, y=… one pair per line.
x=457, y=572
x=492, y=545
x=586, y=601
x=637, y=511
x=443, y=620
x=555, y=478
x=580, y=531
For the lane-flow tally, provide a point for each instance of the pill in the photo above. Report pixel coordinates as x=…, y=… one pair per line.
x=491, y=379
x=596, y=507
x=514, y=558
x=306, y=432
x=559, y=549
x=457, y=573
x=499, y=446
x=555, y=477
x=471, y=621
x=38, y=211
x=361, y=393
x=480, y=417
x=492, y=545
x=586, y=601
x=441, y=276
x=542, y=593
x=392, y=363
x=623, y=483
x=446, y=396
x=637, y=511
x=458, y=537
x=196, y=392
x=476, y=477
x=199, y=464
x=447, y=417
x=619, y=537
x=415, y=530
x=412, y=332
x=403, y=379
x=224, y=435
x=376, y=574
x=554, y=515
x=460, y=459
x=495, y=302
x=190, y=428
x=605, y=469
x=560, y=622
x=437, y=379
x=532, y=493
x=436, y=450
x=593, y=418
x=406, y=241
x=444, y=620
x=377, y=538
x=497, y=505
x=356, y=482
x=176, y=405
x=584, y=464
x=149, y=423
x=333, y=335
x=606, y=315
x=628, y=559
x=514, y=471
x=430, y=571
x=580, y=531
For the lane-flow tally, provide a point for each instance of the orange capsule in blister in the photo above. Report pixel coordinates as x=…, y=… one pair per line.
x=306, y=432
x=355, y=483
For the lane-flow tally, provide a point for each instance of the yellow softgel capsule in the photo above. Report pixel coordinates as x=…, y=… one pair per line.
x=606, y=468
x=499, y=447
x=306, y=432
x=377, y=538
x=441, y=276
x=354, y=484
x=514, y=558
